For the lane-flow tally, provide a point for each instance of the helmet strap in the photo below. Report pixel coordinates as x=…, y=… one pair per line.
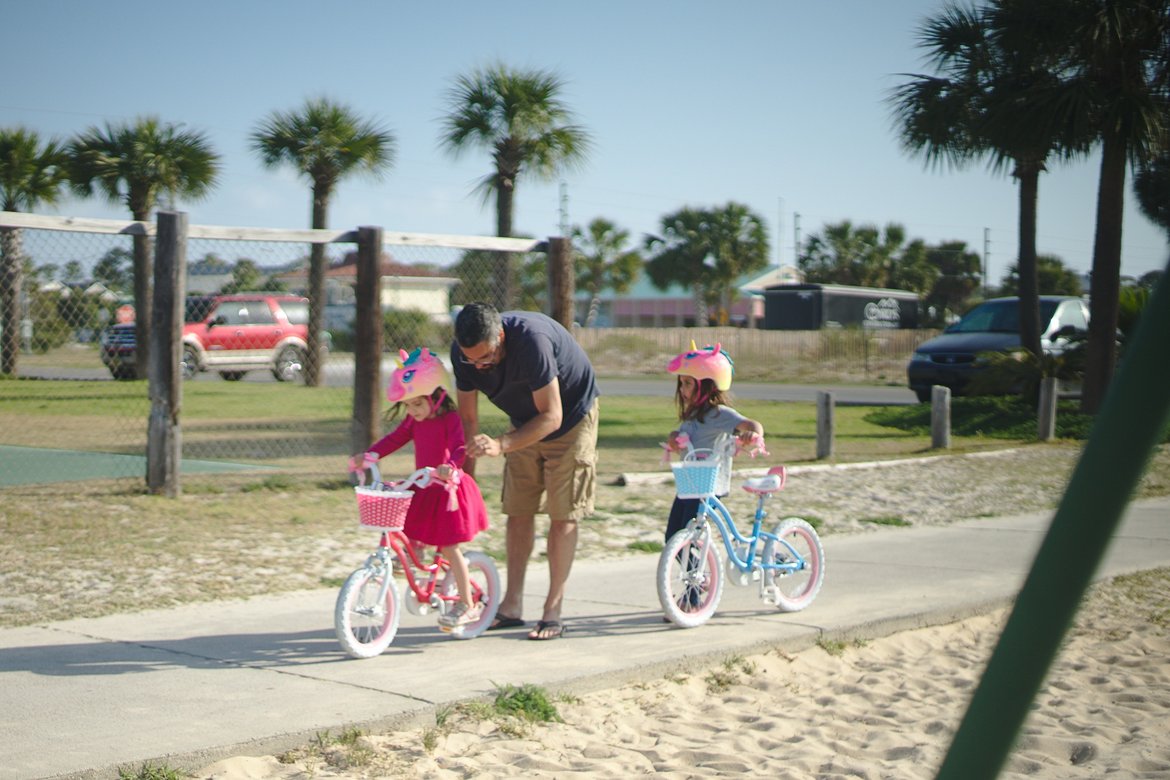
x=436, y=402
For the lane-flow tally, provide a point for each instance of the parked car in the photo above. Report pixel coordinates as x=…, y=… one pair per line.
x=952, y=358
x=231, y=334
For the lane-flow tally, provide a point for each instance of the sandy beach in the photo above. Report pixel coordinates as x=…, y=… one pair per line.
x=885, y=708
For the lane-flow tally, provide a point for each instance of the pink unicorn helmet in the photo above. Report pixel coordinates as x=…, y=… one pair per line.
x=419, y=374
x=706, y=363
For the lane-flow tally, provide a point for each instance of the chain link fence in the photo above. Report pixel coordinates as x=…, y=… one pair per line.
x=74, y=373
x=68, y=333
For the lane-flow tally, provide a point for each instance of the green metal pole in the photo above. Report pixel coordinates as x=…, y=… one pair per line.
x=1131, y=421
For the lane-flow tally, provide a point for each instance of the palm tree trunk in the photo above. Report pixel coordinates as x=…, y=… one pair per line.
x=505, y=277
x=312, y=367
x=700, y=306
x=1028, y=175
x=1105, y=283
x=594, y=310
x=10, y=313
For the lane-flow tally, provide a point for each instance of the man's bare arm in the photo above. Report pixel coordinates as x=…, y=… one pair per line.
x=469, y=415
x=548, y=418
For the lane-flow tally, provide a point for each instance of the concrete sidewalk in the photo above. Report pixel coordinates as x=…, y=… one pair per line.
x=191, y=685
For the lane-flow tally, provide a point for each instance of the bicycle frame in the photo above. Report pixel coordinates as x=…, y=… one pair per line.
x=713, y=508
x=405, y=553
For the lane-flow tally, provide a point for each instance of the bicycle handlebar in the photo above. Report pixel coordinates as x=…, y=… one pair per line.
x=420, y=478
x=754, y=447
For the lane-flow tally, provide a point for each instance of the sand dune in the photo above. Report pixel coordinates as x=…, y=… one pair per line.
x=880, y=709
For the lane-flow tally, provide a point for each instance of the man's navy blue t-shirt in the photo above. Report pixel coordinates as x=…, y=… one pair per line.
x=537, y=349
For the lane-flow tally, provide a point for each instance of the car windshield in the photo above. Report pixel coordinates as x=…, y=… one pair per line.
x=999, y=317
x=296, y=311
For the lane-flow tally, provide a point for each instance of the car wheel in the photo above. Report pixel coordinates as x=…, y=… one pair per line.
x=232, y=376
x=289, y=365
x=923, y=396
x=189, y=365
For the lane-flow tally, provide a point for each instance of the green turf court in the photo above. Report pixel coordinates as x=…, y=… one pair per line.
x=36, y=465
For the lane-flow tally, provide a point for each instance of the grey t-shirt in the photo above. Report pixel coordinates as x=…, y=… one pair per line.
x=537, y=349
x=716, y=433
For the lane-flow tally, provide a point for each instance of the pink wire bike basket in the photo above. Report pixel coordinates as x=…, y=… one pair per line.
x=696, y=477
x=382, y=509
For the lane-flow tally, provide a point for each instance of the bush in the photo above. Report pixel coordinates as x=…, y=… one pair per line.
x=995, y=417
x=410, y=328
x=405, y=329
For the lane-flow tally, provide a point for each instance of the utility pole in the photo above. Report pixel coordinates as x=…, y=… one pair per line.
x=796, y=239
x=986, y=258
x=779, y=233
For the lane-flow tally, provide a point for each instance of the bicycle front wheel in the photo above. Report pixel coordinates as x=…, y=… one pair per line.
x=366, y=625
x=690, y=577
x=485, y=587
x=794, y=587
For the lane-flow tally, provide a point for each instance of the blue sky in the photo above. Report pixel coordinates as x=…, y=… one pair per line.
x=772, y=103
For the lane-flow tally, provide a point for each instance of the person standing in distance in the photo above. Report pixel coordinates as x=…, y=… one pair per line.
x=533, y=370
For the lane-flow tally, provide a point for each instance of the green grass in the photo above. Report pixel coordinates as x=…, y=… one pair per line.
x=303, y=428
x=886, y=521
x=527, y=702
x=149, y=771
x=995, y=417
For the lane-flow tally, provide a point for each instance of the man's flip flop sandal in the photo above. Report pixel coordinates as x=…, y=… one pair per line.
x=548, y=629
x=503, y=621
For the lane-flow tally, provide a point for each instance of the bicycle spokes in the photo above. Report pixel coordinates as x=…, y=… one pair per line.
x=693, y=566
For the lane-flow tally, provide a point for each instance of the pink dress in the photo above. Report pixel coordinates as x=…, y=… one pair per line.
x=437, y=441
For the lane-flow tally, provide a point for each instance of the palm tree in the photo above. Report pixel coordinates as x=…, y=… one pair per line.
x=680, y=254
x=707, y=250
x=1151, y=185
x=1114, y=70
x=845, y=254
x=975, y=110
x=31, y=173
x=325, y=141
x=603, y=262
x=139, y=164
x=519, y=117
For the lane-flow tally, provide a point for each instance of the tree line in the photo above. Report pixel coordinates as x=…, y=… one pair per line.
x=1015, y=84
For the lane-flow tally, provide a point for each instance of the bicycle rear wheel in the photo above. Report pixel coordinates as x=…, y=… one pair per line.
x=690, y=576
x=792, y=591
x=485, y=585
x=365, y=626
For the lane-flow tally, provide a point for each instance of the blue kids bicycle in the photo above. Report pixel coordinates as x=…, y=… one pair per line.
x=788, y=562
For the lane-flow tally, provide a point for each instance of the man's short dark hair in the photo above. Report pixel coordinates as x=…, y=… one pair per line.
x=477, y=322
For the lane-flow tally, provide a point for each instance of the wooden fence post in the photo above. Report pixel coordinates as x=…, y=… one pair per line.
x=164, y=436
x=367, y=336
x=940, y=417
x=1046, y=413
x=561, y=281
x=826, y=425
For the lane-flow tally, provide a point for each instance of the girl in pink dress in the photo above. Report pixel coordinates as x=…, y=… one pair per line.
x=450, y=510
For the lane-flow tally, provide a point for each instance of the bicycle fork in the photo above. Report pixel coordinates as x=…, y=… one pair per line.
x=378, y=563
x=694, y=570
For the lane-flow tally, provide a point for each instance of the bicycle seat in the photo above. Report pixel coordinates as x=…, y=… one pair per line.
x=770, y=483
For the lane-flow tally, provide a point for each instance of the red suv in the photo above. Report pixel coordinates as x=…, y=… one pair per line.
x=231, y=334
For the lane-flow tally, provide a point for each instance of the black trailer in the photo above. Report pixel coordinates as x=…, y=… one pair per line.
x=816, y=306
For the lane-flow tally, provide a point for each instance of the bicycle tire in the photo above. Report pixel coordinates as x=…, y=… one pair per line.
x=365, y=629
x=690, y=595
x=483, y=572
x=792, y=592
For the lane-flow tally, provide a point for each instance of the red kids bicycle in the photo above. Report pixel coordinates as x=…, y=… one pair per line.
x=368, y=607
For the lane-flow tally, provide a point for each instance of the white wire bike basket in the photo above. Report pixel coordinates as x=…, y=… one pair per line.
x=697, y=476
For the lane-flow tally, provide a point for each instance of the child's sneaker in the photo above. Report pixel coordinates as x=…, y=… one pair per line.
x=460, y=616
